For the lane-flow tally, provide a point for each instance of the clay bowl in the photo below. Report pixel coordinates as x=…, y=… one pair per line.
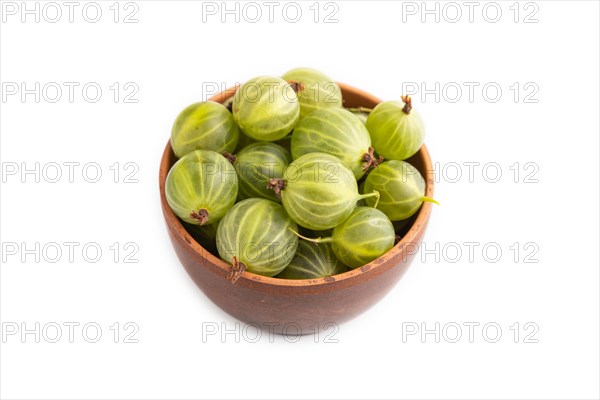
x=298, y=306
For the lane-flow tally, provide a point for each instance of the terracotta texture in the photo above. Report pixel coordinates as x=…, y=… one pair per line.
x=298, y=306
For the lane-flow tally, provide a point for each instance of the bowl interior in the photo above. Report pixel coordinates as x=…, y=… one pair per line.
x=409, y=229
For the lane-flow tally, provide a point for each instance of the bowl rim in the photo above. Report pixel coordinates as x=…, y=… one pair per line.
x=415, y=231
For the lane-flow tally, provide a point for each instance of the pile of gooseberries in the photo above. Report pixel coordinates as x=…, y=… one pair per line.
x=283, y=181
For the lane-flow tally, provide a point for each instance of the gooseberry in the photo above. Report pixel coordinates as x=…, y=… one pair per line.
x=201, y=186
x=362, y=237
x=313, y=261
x=207, y=126
x=266, y=108
x=318, y=191
x=258, y=163
x=397, y=131
x=255, y=236
x=338, y=132
x=314, y=89
x=401, y=186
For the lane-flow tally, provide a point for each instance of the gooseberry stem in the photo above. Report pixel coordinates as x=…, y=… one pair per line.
x=277, y=185
x=375, y=193
x=201, y=215
x=296, y=86
x=370, y=161
x=407, y=104
x=317, y=240
x=360, y=109
x=230, y=157
x=429, y=200
x=236, y=270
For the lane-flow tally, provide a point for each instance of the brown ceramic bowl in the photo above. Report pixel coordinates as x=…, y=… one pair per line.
x=298, y=306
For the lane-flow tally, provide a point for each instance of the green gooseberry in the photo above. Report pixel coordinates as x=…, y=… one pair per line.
x=362, y=237
x=313, y=261
x=255, y=235
x=315, y=90
x=401, y=186
x=338, y=132
x=256, y=165
x=266, y=108
x=397, y=131
x=201, y=186
x=318, y=191
x=207, y=126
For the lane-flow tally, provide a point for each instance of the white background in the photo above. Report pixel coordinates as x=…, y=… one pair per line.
x=168, y=54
